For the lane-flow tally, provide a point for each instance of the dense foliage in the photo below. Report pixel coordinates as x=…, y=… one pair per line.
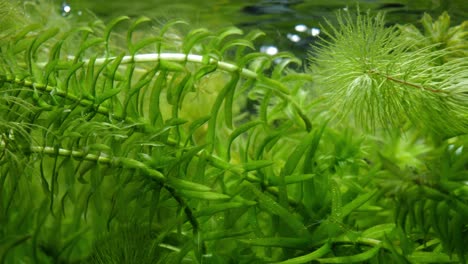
x=135, y=142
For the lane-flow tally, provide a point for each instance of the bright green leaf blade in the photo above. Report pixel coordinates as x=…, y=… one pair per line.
x=431, y=257
x=356, y=203
x=210, y=210
x=256, y=165
x=237, y=132
x=352, y=259
x=211, y=196
x=268, y=204
x=282, y=242
x=309, y=257
x=378, y=231
x=180, y=184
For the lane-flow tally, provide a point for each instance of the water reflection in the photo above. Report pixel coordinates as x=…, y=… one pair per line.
x=269, y=49
x=314, y=32
x=300, y=28
x=66, y=9
x=293, y=37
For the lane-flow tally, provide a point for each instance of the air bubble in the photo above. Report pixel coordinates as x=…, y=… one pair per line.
x=270, y=50
x=293, y=37
x=66, y=9
x=300, y=28
x=314, y=32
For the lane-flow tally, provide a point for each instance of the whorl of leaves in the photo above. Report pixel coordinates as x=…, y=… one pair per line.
x=375, y=74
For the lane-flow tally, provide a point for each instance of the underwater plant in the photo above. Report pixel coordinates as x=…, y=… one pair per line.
x=135, y=142
x=385, y=79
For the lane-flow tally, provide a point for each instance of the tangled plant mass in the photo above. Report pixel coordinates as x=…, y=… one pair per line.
x=123, y=142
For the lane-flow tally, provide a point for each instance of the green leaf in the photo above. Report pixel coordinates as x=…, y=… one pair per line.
x=431, y=257
x=256, y=165
x=145, y=42
x=9, y=242
x=237, y=132
x=185, y=85
x=229, y=98
x=212, y=209
x=224, y=234
x=112, y=70
x=236, y=43
x=309, y=257
x=298, y=152
x=336, y=212
x=378, y=231
x=251, y=36
x=270, y=139
x=196, y=125
x=252, y=58
x=155, y=96
x=172, y=66
x=205, y=70
x=223, y=34
x=72, y=72
x=194, y=37
x=180, y=184
x=274, y=85
x=86, y=45
x=211, y=196
x=357, y=202
x=294, y=178
x=352, y=259
x=55, y=51
x=212, y=124
x=286, y=59
x=131, y=29
x=165, y=28
x=282, y=242
x=96, y=177
x=268, y=204
x=107, y=94
x=69, y=171
x=110, y=26
x=310, y=155
x=42, y=38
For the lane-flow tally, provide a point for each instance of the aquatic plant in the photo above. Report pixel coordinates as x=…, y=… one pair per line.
x=134, y=142
x=383, y=78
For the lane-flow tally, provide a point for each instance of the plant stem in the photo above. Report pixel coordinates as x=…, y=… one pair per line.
x=51, y=89
x=390, y=78
x=129, y=164
x=102, y=158
x=181, y=57
x=178, y=57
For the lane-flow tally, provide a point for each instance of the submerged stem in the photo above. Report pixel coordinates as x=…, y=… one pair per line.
x=178, y=57
x=102, y=158
x=390, y=78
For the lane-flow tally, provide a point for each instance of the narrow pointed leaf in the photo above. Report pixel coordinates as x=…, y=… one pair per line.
x=309, y=257
x=358, y=258
x=211, y=196
x=268, y=204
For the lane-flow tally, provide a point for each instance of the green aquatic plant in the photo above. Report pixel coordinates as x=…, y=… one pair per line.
x=131, y=142
x=376, y=75
x=439, y=35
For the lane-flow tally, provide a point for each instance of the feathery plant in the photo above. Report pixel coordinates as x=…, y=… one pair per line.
x=130, y=142
x=378, y=76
